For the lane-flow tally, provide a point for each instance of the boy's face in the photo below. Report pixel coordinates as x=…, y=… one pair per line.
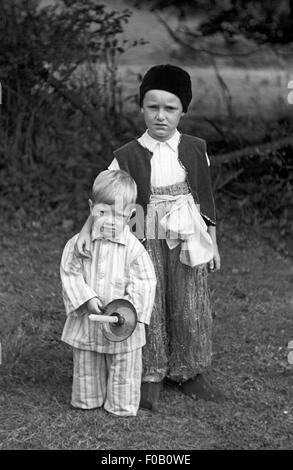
x=162, y=112
x=109, y=220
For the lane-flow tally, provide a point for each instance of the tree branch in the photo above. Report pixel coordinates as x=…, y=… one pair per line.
x=220, y=184
x=251, y=151
x=202, y=50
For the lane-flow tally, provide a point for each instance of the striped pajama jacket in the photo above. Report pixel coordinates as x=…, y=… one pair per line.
x=106, y=373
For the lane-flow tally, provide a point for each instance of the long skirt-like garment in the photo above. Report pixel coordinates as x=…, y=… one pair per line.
x=179, y=337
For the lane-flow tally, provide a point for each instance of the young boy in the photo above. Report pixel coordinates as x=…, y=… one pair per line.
x=107, y=373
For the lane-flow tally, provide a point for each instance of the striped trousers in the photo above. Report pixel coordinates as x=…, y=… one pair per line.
x=109, y=380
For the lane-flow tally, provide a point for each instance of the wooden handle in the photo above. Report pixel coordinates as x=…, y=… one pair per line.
x=104, y=318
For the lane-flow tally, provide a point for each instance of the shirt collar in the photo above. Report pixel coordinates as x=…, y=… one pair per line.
x=121, y=238
x=150, y=143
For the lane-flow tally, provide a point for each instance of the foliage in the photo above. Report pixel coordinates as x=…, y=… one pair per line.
x=50, y=151
x=49, y=145
x=263, y=22
x=261, y=195
x=181, y=5
x=57, y=37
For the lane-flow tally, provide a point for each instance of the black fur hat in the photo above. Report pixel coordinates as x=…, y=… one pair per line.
x=169, y=78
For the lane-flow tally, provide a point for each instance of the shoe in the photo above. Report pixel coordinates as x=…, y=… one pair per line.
x=200, y=388
x=149, y=395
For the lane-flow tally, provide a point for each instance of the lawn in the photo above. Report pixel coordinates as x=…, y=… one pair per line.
x=252, y=304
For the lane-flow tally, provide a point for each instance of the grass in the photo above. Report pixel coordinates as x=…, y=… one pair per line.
x=252, y=327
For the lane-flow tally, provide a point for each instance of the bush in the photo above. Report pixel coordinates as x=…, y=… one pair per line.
x=61, y=100
x=261, y=196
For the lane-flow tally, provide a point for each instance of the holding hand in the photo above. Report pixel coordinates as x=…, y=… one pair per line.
x=83, y=242
x=215, y=263
x=94, y=307
x=82, y=245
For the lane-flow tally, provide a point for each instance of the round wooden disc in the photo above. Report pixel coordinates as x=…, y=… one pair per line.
x=115, y=331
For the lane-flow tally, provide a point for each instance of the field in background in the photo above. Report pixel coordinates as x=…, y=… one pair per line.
x=253, y=92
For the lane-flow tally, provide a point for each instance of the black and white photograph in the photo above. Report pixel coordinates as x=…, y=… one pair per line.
x=146, y=221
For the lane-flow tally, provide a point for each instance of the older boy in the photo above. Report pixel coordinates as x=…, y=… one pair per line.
x=107, y=373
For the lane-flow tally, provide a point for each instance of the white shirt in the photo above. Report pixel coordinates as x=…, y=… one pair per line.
x=165, y=166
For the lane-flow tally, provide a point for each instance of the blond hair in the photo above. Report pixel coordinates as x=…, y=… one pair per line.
x=110, y=185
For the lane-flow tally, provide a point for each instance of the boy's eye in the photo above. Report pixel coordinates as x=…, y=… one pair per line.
x=102, y=212
x=168, y=108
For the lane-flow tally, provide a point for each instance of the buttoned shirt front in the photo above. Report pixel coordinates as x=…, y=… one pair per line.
x=165, y=166
x=119, y=268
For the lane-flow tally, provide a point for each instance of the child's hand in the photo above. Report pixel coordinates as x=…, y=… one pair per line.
x=215, y=263
x=82, y=245
x=93, y=306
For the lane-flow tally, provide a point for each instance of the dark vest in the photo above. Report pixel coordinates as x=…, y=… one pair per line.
x=136, y=160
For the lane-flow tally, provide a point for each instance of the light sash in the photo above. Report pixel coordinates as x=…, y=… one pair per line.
x=184, y=224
